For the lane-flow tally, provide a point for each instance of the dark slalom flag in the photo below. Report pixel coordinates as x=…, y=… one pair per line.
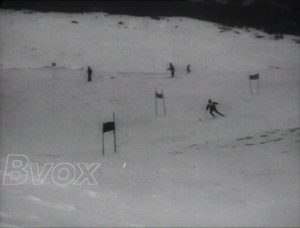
x=254, y=77
x=160, y=96
x=106, y=127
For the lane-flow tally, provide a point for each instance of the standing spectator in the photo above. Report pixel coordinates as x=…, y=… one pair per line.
x=172, y=69
x=89, y=72
x=188, y=69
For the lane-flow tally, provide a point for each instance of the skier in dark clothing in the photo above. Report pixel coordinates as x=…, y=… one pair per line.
x=172, y=69
x=212, y=108
x=188, y=69
x=89, y=72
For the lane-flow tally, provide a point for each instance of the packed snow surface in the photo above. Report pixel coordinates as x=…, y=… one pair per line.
x=182, y=169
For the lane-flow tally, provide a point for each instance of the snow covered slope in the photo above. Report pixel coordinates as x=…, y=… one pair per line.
x=241, y=170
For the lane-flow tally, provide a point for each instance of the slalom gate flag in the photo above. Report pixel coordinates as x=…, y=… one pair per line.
x=108, y=126
x=254, y=77
x=159, y=95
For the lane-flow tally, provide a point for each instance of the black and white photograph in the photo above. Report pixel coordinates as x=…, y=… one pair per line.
x=150, y=113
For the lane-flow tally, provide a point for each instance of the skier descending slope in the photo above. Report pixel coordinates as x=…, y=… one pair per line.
x=211, y=106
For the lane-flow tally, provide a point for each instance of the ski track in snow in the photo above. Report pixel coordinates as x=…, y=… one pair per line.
x=54, y=205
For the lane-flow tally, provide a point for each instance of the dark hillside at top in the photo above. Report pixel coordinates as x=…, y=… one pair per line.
x=272, y=16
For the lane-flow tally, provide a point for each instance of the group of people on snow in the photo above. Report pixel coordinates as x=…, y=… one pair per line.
x=172, y=69
x=211, y=106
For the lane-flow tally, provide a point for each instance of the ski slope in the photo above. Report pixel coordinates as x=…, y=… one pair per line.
x=241, y=170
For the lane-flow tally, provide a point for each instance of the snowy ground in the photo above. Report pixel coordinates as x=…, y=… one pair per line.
x=241, y=170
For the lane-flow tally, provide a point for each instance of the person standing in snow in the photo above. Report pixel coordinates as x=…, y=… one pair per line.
x=188, y=69
x=211, y=106
x=89, y=72
x=172, y=69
